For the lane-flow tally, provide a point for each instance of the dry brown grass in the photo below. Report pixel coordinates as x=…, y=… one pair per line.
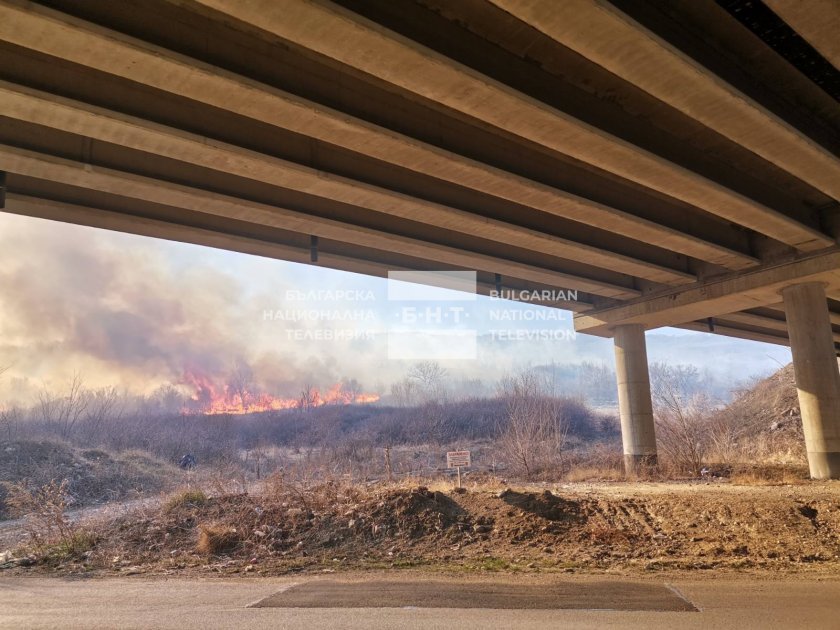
x=43, y=509
x=215, y=539
x=92, y=475
x=594, y=473
x=51, y=535
x=184, y=498
x=769, y=475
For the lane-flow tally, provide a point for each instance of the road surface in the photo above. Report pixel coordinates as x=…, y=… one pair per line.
x=216, y=603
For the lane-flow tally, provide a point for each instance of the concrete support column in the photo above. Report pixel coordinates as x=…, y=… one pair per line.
x=636, y=409
x=817, y=376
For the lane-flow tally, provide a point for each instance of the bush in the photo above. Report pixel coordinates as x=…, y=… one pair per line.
x=70, y=547
x=52, y=536
x=533, y=435
x=185, y=498
x=215, y=540
x=44, y=509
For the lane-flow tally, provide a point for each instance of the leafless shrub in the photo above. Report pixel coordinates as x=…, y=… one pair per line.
x=62, y=413
x=104, y=405
x=682, y=416
x=534, y=433
x=43, y=510
x=10, y=421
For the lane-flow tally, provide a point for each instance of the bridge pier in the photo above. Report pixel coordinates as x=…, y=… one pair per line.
x=817, y=375
x=636, y=409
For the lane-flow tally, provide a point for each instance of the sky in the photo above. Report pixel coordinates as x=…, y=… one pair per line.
x=137, y=313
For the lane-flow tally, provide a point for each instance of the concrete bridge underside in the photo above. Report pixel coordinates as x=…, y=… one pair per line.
x=675, y=162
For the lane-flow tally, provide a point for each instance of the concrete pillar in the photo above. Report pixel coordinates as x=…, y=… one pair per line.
x=817, y=376
x=635, y=407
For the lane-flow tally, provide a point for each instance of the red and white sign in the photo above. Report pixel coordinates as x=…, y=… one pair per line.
x=458, y=459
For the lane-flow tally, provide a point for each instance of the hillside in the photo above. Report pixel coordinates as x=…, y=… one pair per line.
x=764, y=421
x=93, y=475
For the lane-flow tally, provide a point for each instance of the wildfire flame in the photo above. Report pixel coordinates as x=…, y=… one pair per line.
x=210, y=398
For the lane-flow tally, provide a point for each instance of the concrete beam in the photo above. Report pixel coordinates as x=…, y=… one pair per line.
x=638, y=434
x=53, y=33
x=817, y=376
x=770, y=328
x=760, y=321
x=738, y=333
x=751, y=319
x=832, y=316
x=727, y=294
x=366, y=47
x=141, y=135
x=816, y=21
x=603, y=34
x=155, y=228
x=204, y=202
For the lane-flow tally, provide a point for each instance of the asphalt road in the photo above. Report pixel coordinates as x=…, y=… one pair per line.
x=247, y=603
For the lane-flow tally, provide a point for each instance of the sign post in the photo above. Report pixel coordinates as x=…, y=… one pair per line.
x=458, y=460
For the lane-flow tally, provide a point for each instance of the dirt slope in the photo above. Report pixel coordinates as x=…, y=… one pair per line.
x=93, y=475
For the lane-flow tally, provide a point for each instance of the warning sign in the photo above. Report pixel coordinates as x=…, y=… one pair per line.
x=458, y=459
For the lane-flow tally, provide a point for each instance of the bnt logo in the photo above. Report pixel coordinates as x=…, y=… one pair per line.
x=431, y=315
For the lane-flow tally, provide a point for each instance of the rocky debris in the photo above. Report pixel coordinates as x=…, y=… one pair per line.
x=8, y=560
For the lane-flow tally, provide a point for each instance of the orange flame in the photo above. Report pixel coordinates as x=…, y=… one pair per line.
x=210, y=398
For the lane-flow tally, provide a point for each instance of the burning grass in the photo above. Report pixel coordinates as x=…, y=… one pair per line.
x=237, y=397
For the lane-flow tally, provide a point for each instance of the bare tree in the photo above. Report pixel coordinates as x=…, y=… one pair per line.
x=8, y=417
x=105, y=404
x=682, y=411
x=430, y=378
x=308, y=397
x=61, y=414
x=241, y=384
x=596, y=382
x=351, y=389
x=404, y=392
x=10, y=422
x=258, y=454
x=534, y=432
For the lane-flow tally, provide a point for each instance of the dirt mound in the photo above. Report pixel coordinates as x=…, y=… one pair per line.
x=333, y=526
x=545, y=505
x=772, y=404
x=414, y=513
x=94, y=476
x=761, y=427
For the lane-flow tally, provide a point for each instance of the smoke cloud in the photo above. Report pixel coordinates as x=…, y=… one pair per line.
x=140, y=313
